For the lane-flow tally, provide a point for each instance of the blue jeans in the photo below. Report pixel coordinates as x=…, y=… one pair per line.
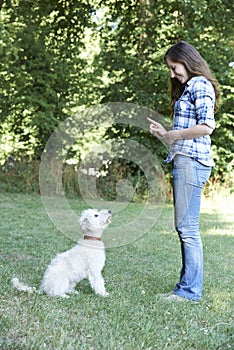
x=189, y=177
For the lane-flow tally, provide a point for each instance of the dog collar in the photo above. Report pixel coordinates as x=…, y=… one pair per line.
x=91, y=238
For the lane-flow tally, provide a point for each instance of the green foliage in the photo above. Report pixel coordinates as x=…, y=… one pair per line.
x=60, y=56
x=223, y=148
x=39, y=65
x=19, y=176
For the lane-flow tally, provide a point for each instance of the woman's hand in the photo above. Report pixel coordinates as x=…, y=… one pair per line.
x=161, y=133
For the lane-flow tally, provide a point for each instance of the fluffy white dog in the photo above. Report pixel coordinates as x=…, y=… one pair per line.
x=85, y=260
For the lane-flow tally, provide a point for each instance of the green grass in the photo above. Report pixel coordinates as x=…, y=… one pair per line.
x=132, y=317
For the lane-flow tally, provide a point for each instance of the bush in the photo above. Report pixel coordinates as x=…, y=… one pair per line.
x=19, y=176
x=121, y=180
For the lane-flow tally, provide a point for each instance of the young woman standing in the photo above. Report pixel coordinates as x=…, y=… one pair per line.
x=194, y=99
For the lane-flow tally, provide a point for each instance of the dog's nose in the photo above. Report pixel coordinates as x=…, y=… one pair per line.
x=109, y=211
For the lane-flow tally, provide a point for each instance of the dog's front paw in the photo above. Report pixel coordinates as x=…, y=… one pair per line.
x=74, y=292
x=105, y=294
x=65, y=296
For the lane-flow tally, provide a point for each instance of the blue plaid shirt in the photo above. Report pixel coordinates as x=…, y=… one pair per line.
x=195, y=106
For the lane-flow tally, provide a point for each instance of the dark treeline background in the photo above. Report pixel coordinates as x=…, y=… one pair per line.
x=58, y=56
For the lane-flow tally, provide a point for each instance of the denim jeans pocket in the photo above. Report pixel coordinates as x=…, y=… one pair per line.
x=198, y=174
x=202, y=175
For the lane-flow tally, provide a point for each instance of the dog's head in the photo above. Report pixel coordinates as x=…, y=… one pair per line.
x=93, y=222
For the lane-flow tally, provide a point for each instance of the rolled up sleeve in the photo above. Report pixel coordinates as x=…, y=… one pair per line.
x=203, y=95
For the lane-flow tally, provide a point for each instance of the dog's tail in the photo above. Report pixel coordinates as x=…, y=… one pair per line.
x=21, y=286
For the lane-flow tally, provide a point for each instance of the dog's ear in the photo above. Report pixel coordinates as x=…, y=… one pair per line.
x=82, y=222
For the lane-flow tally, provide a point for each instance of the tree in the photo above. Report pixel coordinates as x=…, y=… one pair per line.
x=39, y=60
x=58, y=56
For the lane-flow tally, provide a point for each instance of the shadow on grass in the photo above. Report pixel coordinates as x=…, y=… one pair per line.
x=216, y=224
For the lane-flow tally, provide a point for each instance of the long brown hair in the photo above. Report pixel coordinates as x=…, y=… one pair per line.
x=195, y=65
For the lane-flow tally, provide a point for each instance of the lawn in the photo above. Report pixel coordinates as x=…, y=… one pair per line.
x=133, y=317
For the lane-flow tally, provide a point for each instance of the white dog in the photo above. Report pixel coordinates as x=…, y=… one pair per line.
x=85, y=260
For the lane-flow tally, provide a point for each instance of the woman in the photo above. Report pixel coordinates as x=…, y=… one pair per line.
x=194, y=98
